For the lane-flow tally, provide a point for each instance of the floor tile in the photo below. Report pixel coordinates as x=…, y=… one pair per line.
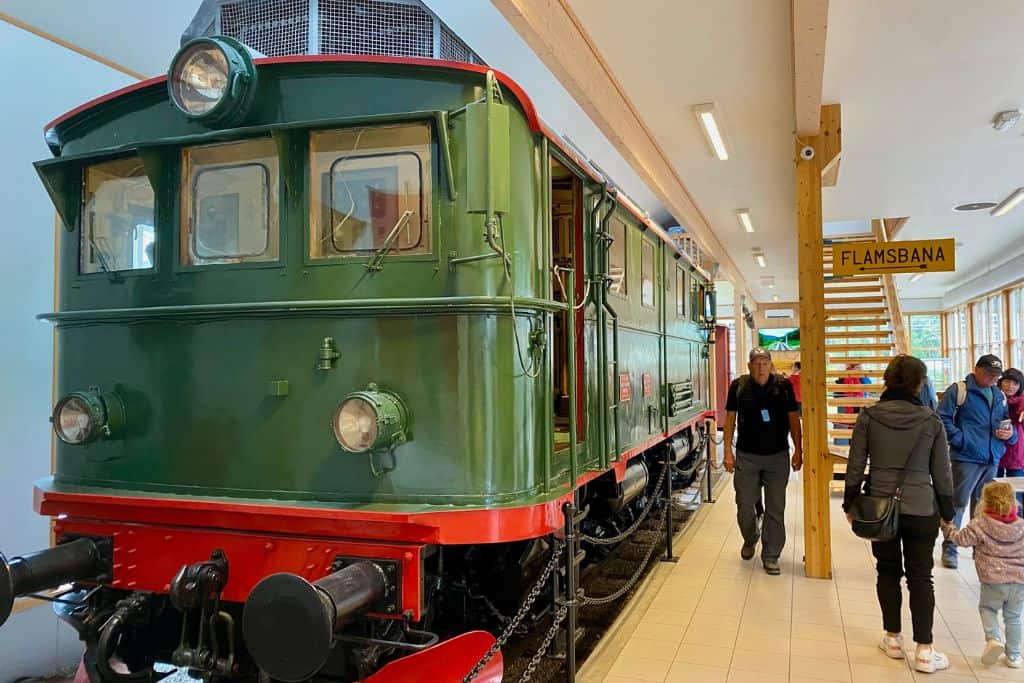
x=681, y=672
x=708, y=655
x=820, y=669
x=640, y=668
x=652, y=649
x=767, y=662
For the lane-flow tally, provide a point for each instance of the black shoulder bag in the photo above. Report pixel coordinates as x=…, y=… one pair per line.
x=877, y=518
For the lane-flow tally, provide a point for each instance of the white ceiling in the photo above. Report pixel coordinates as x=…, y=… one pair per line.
x=140, y=36
x=670, y=55
x=919, y=82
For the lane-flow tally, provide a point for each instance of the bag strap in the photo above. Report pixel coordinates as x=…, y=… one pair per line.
x=903, y=470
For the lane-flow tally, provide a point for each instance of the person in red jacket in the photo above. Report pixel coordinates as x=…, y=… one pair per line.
x=1012, y=385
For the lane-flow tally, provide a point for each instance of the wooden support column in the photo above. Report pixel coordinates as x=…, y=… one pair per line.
x=817, y=470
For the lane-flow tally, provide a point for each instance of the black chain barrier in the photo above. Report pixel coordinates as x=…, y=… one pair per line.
x=520, y=615
x=636, y=575
x=612, y=540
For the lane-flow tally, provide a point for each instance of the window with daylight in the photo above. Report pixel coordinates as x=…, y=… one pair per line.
x=957, y=342
x=925, y=330
x=118, y=230
x=987, y=318
x=1015, y=314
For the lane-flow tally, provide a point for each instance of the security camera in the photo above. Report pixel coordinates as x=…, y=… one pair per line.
x=806, y=152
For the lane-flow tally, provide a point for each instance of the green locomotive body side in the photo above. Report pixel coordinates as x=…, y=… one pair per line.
x=217, y=365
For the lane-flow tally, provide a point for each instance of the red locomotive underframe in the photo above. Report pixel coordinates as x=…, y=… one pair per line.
x=154, y=537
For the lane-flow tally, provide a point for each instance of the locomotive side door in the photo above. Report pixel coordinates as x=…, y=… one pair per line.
x=568, y=281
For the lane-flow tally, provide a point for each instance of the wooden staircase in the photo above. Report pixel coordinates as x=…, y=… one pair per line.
x=863, y=331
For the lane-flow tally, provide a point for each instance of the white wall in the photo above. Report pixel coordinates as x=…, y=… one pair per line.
x=998, y=274
x=39, y=81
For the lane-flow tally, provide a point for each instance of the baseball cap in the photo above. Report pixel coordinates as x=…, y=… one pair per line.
x=759, y=352
x=990, y=363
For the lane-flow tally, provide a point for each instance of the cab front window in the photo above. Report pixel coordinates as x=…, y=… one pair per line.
x=370, y=190
x=231, y=203
x=118, y=230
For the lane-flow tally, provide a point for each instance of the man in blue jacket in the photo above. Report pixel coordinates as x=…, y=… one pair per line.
x=976, y=440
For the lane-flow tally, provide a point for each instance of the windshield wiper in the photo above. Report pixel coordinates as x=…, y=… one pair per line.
x=375, y=263
x=112, y=274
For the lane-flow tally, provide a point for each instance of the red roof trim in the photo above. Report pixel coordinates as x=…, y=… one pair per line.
x=524, y=100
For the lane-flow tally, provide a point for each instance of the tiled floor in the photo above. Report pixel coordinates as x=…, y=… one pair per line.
x=714, y=617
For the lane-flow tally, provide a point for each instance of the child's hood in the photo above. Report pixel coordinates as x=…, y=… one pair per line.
x=1001, y=532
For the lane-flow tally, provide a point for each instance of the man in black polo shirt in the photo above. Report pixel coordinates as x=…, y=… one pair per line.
x=767, y=412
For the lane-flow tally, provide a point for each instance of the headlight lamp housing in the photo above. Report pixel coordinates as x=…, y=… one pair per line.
x=370, y=420
x=82, y=417
x=212, y=80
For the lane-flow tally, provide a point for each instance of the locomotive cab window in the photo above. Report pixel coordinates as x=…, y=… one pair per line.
x=231, y=203
x=646, y=273
x=118, y=230
x=680, y=292
x=617, y=254
x=371, y=190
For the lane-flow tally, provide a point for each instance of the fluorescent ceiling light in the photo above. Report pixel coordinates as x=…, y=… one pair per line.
x=759, y=257
x=710, y=123
x=915, y=277
x=1010, y=203
x=744, y=216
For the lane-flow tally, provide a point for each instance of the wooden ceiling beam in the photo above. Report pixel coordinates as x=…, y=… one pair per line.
x=556, y=35
x=810, y=25
x=893, y=226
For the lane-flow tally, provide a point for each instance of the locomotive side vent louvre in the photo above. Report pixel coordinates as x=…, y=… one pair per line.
x=396, y=28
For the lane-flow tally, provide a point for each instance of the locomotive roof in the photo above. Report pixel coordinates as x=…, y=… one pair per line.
x=529, y=111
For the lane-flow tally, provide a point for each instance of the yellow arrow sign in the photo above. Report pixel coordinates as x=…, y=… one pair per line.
x=920, y=256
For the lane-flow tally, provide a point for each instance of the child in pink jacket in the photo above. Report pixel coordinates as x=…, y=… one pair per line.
x=997, y=535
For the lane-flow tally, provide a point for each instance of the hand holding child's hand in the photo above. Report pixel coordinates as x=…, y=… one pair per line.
x=947, y=529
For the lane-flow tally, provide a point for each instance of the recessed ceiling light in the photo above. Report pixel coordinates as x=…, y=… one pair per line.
x=775, y=297
x=1005, y=120
x=915, y=277
x=744, y=216
x=711, y=124
x=974, y=206
x=759, y=256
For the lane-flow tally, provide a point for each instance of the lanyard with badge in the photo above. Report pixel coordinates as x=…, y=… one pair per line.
x=759, y=400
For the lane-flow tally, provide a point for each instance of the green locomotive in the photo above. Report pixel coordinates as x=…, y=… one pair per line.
x=322, y=316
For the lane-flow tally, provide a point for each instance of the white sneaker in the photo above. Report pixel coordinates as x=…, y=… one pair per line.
x=993, y=648
x=892, y=646
x=1013, y=661
x=929, y=661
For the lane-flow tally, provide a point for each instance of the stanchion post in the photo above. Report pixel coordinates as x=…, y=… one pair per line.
x=707, y=474
x=668, y=507
x=569, y=511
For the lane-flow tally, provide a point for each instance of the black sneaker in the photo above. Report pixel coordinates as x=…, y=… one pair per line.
x=771, y=567
x=747, y=551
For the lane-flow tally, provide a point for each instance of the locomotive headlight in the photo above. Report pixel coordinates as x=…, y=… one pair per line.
x=212, y=79
x=85, y=416
x=370, y=420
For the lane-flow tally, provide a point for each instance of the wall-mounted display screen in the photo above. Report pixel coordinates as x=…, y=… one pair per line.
x=779, y=338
